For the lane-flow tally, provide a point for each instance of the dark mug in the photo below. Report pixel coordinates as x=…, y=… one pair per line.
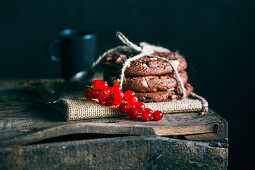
x=77, y=50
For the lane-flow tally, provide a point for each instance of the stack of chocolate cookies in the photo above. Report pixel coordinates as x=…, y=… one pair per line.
x=152, y=79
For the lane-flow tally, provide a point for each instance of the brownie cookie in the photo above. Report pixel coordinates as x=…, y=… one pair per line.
x=163, y=96
x=153, y=83
x=144, y=66
x=149, y=66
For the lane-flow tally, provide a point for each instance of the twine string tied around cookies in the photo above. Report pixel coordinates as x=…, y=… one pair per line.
x=147, y=50
x=144, y=49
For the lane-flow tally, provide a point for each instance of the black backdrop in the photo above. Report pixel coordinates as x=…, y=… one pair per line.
x=215, y=36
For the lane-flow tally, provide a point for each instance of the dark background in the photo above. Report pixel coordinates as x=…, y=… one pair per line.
x=216, y=37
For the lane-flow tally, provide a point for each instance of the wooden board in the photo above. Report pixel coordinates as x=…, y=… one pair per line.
x=134, y=152
x=24, y=120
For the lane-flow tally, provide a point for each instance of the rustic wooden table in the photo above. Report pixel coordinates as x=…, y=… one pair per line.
x=34, y=136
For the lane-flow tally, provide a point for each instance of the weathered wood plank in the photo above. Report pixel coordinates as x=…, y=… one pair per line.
x=111, y=126
x=216, y=140
x=139, y=152
x=202, y=136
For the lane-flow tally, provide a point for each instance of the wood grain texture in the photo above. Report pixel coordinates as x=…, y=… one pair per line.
x=113, y=126
x=135, y=152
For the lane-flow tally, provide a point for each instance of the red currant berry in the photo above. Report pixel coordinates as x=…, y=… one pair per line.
x=109, y=101
x=133, y=100
x=139, y=106
x=88, y=94
x=157, y=115
x=95, y=93
x=96, y=84
x=110, y=88
x=103, y=85
x=128, y=94
x=132, y=113
x=123, y=107
x=146, y=116
x=147, y=109
x=105, y=93
x=116, y=89
x=119, y=96
x=117, y=101
x=100, y=85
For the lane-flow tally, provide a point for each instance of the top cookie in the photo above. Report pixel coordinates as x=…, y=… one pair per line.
x=145, y=66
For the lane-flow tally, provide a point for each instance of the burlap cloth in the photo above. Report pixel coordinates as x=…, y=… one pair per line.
x=74, y=106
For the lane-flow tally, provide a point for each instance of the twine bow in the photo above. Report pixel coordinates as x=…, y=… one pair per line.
x=144, y=49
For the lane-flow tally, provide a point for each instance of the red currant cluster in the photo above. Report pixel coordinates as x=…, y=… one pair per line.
x=128, y=101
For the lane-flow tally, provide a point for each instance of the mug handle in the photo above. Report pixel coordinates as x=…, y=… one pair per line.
x=51, y=46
